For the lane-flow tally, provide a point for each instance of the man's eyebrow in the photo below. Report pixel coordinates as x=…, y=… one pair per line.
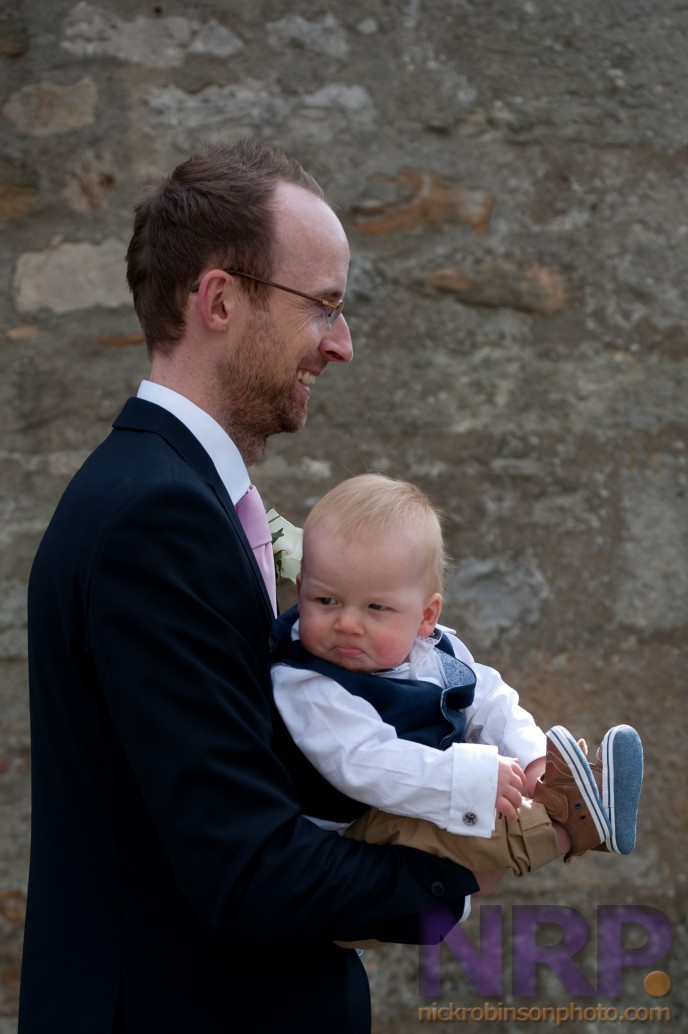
x=330, y=290
x=331, y=295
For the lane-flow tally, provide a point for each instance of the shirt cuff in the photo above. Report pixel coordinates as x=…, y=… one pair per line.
x=474, y=789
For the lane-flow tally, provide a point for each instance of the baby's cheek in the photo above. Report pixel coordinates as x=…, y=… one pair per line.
x=391, y=649
x=311, y=633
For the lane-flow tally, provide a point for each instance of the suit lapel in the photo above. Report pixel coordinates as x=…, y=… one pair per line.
x=141, y=415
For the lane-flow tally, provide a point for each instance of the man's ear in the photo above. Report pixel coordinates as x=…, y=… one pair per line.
x=431, y=614
x=215, y=295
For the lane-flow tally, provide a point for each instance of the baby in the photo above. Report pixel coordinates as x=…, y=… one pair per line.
x=404, y=738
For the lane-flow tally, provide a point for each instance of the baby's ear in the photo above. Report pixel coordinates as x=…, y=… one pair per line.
x=298, y=584
x=431, y=614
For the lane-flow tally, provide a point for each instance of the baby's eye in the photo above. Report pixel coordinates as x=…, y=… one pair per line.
x=326, y=601
x=377, y=606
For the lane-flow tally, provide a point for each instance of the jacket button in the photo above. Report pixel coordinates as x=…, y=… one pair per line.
x=470, y=818
x=438, y=889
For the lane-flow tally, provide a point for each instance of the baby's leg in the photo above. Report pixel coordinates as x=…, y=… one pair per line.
x=526, y=844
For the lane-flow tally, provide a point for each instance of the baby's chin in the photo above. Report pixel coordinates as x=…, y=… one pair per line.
x=364, y=664
x=352, y=662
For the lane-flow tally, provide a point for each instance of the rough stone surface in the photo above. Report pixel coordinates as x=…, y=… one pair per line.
x=156, y=42
x=42, y=109
x=71, y=276
x=513, y=179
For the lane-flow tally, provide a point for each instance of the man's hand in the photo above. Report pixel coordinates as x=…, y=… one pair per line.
x=488, y=883
x=511, y=783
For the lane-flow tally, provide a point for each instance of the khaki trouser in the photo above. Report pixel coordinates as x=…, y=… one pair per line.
x=523, y=845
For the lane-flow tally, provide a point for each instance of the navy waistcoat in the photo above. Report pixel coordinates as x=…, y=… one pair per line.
x=419, y=711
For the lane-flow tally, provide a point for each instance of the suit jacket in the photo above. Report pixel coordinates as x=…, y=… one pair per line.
x=174, y=884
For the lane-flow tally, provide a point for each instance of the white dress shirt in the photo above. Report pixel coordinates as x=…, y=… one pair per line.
x=214, y=439
x=347, y=741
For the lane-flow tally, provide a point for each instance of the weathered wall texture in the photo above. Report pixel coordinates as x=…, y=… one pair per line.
x=512, y=174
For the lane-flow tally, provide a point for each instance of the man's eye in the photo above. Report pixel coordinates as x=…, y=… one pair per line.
x=329, y=314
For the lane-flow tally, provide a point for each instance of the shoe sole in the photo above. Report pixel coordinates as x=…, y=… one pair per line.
x=622, y=780
x=585, y=780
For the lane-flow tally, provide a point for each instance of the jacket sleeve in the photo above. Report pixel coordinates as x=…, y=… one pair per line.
x=178, y=635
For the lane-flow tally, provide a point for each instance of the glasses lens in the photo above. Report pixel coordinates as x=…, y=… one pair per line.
x=332, y=314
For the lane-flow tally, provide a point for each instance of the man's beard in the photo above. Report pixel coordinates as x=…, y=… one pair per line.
x=256, y=401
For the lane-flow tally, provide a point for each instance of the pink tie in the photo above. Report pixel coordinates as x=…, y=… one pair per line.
x=255, y=523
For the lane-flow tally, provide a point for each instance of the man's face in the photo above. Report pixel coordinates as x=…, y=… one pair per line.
x=282, y=349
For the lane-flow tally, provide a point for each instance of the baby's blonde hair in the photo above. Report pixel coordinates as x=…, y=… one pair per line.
x=375, y=506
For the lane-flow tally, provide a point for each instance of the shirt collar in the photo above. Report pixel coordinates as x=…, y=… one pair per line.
x=214, y=439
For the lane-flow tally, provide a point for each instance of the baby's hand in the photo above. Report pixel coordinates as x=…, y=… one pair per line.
x=510, y=783
x=533, y=772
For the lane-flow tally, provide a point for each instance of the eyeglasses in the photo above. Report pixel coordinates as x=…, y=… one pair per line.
x=334, y=309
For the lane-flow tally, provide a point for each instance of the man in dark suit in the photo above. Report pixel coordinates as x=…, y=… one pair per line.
x=175, y=886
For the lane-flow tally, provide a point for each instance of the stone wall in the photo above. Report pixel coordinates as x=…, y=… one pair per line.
x=512, y=175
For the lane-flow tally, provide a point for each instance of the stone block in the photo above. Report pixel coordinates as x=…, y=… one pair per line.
x=158, y=42
x=498, y=283
x=71, y=276
x=47, y=108
x=428, y=201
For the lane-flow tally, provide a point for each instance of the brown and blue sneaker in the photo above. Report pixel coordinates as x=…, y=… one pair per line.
x=570, y=793
x=618, y=772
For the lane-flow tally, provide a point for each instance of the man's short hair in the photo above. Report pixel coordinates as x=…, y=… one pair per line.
x=213, y=210
x=374, y=506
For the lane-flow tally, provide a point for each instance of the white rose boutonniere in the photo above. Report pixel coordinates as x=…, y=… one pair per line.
x=287, y=542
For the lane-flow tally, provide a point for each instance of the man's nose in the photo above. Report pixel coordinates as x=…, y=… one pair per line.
x=336, y=345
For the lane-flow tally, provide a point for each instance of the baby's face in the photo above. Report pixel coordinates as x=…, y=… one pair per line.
x=362, y=604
